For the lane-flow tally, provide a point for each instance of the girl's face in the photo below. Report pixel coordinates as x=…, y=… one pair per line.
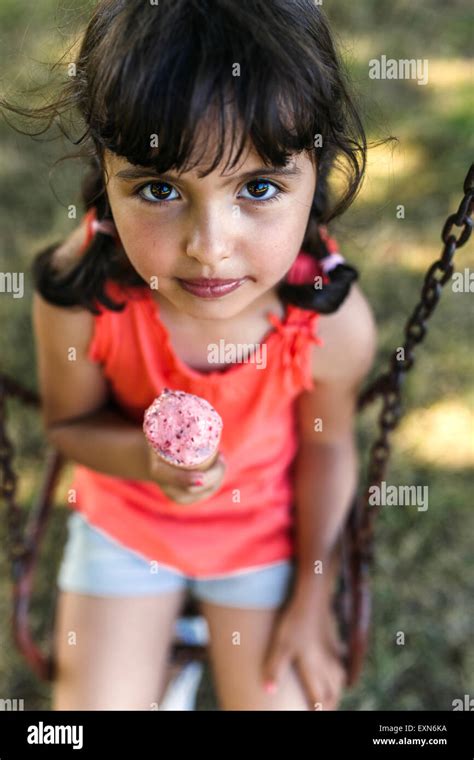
x=246, y=226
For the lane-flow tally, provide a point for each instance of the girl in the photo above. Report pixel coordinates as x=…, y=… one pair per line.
x=211, y=130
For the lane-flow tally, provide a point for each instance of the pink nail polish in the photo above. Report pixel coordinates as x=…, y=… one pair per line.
x=270, y=687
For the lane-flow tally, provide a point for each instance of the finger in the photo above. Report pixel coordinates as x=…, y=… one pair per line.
x=276, y=663
x=337, y=685
x=215, y=472
x=201, y=495
x=186, y=498
x=172, y=475
x=210, y=478
x=314, y=687
x=334, y=694
x=177, y=496
x=197, y=493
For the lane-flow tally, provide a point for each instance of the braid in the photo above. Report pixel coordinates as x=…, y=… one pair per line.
x=326, y=300
x=317, y=243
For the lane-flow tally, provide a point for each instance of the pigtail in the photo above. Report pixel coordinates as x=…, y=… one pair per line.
x=327, y=299
x=338, y=280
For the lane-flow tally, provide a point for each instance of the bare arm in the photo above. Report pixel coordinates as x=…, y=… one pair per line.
x=106, y=442
x=306, y=633
x=78, y=416
x=326, y=465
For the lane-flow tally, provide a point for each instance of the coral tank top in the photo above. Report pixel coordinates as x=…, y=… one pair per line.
x=248, y=523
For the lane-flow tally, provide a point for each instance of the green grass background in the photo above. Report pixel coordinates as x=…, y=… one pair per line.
x=423, y=575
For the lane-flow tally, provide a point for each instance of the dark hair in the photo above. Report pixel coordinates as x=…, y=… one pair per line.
x=144, y=68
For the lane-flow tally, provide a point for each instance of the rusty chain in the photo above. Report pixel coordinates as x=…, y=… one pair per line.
x=358, y=537
x=388, y=385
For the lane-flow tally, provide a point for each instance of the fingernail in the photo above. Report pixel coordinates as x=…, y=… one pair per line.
x=270, y=687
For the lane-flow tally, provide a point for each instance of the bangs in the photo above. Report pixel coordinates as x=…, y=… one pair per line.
x=181, y=68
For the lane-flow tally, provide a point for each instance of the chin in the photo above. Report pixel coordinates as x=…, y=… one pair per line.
x=214, y=309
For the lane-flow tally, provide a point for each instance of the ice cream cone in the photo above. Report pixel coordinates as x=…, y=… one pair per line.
x=183, y=430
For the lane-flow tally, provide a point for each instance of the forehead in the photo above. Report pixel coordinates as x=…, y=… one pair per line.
x=249, y=161
x=209, y=134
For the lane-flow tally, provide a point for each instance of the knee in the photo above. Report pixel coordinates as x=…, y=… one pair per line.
x=249, y=694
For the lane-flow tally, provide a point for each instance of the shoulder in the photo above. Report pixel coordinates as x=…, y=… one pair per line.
x=350, y=341
x=61, y=327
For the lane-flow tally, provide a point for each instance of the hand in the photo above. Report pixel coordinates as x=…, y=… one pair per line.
x=185, y=486
x=307, y=640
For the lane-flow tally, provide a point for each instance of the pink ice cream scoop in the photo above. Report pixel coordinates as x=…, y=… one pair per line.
x=183, y=429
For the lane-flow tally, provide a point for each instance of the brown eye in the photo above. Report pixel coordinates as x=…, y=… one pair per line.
x=259, y=187
x=156, y=192
x=258, y=190
x=160, y=190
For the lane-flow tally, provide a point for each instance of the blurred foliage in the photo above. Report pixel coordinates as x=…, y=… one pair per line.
x=422, y=573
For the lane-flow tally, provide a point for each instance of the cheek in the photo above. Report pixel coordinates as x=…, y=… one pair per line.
x=149, y=251
x=273, y=246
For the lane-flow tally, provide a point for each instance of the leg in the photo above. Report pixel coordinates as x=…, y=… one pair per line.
x=111, y=652
x=237, y=666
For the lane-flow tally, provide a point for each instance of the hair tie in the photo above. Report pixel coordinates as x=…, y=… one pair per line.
x=334, y=258
x=94, y=225
x=331, y=261
x=105, y=226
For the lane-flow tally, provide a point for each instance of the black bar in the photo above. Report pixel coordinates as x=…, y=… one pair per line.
x=314, y=735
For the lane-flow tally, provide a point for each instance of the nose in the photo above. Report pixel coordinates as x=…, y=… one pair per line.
x=209, y=238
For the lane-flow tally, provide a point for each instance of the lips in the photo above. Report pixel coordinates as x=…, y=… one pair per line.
x=210, y=288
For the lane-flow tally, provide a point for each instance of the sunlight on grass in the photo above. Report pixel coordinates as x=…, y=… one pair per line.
x=442, y=435
x=445, y=73
x=386, y=162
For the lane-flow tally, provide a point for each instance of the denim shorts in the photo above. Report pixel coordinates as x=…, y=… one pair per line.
x=94, y=563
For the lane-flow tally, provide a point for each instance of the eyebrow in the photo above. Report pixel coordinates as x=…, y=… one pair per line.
x=142, y=172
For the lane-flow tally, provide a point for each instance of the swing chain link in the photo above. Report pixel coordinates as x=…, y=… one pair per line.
x=388, y=385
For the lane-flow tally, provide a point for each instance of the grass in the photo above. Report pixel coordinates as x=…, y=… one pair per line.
x=422, y=574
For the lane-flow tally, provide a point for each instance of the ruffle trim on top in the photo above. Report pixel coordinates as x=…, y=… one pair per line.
x=298, y=334
x=296, y=331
